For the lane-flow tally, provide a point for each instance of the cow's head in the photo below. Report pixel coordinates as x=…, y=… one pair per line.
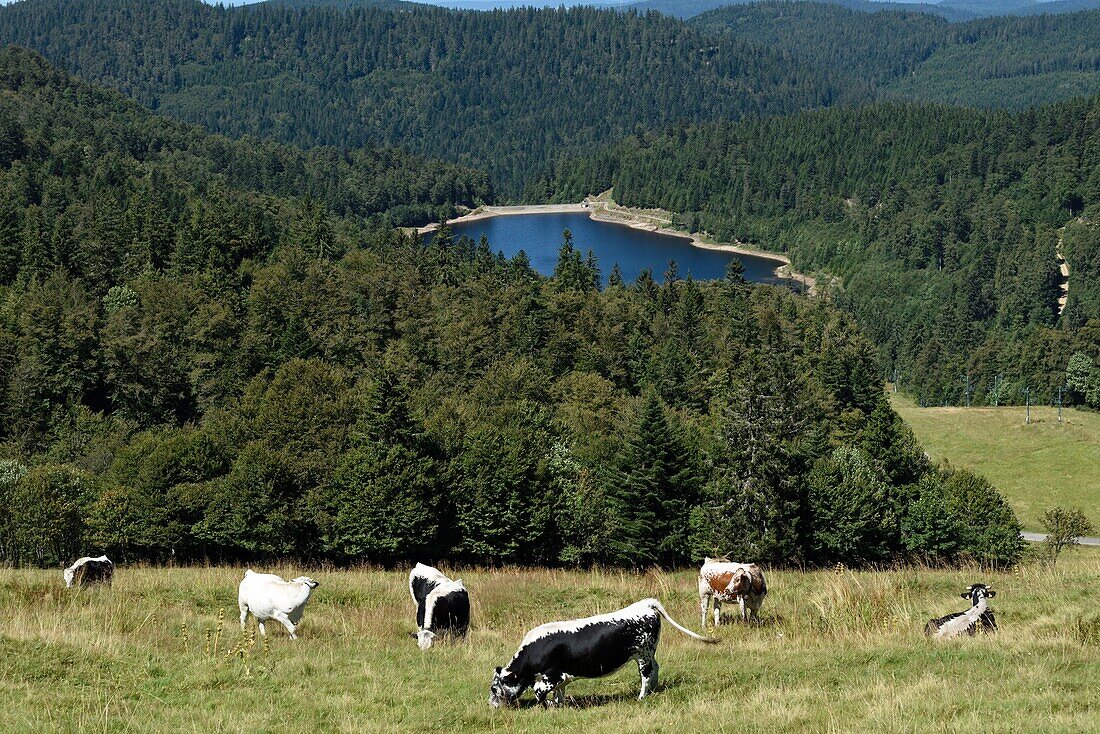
x=741, y=583
x=70, y=574
x=424, y=639
x=505, y=689
x=305, y=580
x=975, y=592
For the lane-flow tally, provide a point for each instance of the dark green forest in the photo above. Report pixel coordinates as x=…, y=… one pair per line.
x=1003, y=62
x=200, y=366
x=508, y=91
x=502, y=91
x=941, y=224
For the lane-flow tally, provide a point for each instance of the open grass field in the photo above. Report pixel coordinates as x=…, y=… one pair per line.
x=838, y=652
x=1035, y=466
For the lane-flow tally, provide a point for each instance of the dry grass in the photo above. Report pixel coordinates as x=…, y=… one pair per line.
x=162, y=651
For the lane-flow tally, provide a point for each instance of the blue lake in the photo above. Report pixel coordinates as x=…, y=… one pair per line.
x=540, y=236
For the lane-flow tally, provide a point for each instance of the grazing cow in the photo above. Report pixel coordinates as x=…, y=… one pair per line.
x=553, y=654
x=442, y=605
x=88, y=571
x=723, y=581
x=268, y=596
x=959, y=623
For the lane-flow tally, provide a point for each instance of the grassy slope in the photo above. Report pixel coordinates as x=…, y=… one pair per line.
x=1038, y=466
x=837, y=652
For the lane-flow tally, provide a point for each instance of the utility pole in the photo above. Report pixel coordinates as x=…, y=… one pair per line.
x=967, y=378
x=1027, y=401
x=1060, y=388
x=997, y=389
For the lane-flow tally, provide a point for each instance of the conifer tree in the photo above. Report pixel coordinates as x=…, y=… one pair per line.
x=384, y=504
x=652, y=491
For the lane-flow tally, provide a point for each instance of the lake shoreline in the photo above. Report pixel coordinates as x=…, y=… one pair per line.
x=599, y=211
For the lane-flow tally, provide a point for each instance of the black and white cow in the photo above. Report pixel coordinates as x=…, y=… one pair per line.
x=87, y=571
x=968, y=622
x=442, y=605
x=553, y=654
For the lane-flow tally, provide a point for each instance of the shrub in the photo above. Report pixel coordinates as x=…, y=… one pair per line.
x=929, y=530
x=990, y=532
x=1063, y=527
x=47, y=510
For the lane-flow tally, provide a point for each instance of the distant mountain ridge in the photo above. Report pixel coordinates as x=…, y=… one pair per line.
x=953, y=10
x=1009, y=61
x=499, y=91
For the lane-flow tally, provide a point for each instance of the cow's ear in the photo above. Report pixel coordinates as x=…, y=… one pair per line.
x=757, y=584
x=991, y=593
x=965, y=595
x=499, y=669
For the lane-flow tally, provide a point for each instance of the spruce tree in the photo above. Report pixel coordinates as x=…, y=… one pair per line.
x=653, y=489
x=383, y=505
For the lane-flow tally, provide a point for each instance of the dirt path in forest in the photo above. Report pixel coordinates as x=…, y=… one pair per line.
x=1063, y=266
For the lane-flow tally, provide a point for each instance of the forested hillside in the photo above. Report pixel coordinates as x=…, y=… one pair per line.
x=507, y=91
x=692, y=8
x=870, y=50
x=199, y=366
x=942, y=224
x=497, y=90
x=1010, y=62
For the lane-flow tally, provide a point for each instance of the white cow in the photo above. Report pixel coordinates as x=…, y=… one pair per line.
x=268, y=596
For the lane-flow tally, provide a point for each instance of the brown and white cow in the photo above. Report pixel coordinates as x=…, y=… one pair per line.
x=722, y=581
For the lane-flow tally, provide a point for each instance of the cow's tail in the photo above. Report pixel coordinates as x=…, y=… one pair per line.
x=660, y=609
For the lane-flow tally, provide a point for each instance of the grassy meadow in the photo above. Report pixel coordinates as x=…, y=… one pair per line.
x=1035, y=466
x=839, y=651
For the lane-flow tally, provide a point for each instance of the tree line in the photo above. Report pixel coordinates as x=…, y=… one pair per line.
x=285, y=380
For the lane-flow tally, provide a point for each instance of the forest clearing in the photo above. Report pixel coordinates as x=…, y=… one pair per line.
x=1035, y=466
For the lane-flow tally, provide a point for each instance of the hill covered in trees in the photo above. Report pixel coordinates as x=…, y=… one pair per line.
x=507, y=91
x=691, y=8
x=197, y=364
x=942, y=224
x=1010, y=62
x=502, y=91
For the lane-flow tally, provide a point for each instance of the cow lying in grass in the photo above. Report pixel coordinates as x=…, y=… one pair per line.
x=721, y=581
x=87, y=571
x=442, y=605
x=268, y=596
x=968, y=622
x=553, y=654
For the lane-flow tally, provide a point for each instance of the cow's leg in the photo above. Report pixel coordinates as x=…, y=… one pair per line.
x=559, y=690
x=548, y=690
x=717, y=612
x=704, y=607
x=647, y=667
x=244, y=615
x=288, y=624
x=263, y=630
x=744, y=610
